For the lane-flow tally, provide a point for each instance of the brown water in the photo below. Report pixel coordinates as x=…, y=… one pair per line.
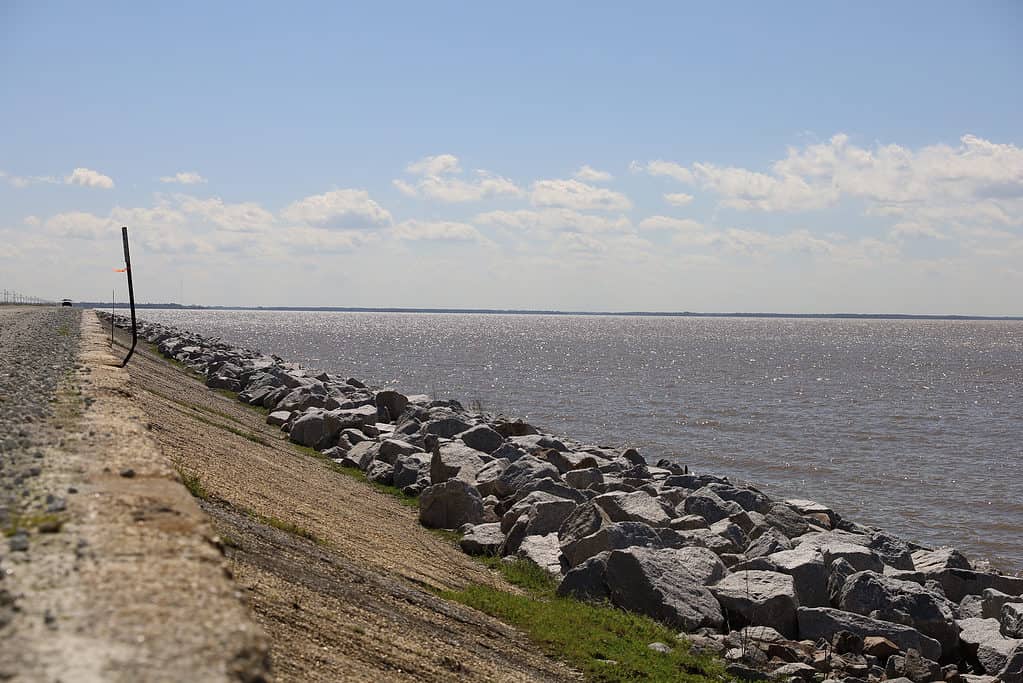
x=915, y=426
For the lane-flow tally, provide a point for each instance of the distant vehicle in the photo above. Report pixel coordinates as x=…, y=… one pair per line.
x=65, y=302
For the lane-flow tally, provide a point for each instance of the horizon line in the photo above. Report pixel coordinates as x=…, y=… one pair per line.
x=518, y=311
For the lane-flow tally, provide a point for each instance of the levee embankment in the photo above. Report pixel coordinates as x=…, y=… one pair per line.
x=341, y=577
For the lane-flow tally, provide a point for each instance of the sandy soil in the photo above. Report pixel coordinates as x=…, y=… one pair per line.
x=355, y=603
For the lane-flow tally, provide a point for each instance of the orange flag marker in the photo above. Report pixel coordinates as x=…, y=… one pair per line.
x=120, y=270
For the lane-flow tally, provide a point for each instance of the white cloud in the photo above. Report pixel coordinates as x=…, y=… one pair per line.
x=678, y=198
x=438, y=180
x=554, y=220
x=663, y=168
x=24, y=181
x=183, y=178
x=241, y=217
x=32, y=221
x=436, y=230
x=914, y=229
x=669, y=223
x=574, y=194
x=311, y=240
x=80, y=225
x=440, y=164
x=338, y=209
x=589, y=174
x=89, y=178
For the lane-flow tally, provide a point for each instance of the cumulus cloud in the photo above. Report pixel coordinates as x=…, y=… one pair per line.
x=25, y=181
x=589, y=174
x=554, y=220
x=87, y=177
x=574, y=194
x=678, y=198
x=183, y=178
x=436, y=230
x=338, y=209
x=439, y=178
x=79, y=225
x=241, y=217
x=669, y=223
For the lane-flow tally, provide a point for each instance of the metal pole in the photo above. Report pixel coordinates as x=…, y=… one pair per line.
x=111, y=318
x=131, y=297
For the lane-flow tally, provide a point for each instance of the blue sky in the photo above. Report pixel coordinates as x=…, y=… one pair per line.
x=804, y=157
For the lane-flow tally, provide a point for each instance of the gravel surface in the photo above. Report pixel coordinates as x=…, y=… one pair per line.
x=38, y=347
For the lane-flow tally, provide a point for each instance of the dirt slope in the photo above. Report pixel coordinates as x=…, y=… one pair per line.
x=352, y=603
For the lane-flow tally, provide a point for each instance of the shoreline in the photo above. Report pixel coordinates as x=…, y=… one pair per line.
x=610, y=526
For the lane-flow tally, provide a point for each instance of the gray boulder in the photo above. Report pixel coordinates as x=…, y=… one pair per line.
x=278, y=417
x=543, y=551
x=392, y=449
x=903, y=602
x=808, y=572
x=522, y=473
x=770, y=542
x=1011, y=619
x=982, y=640
x=588, y=580
x=567, y=461
x=390, y=404
x=639, y=506
x=957, y=583
x=893, y=551
x=762, y=598
x=455, y=460
x=707, y=504
x=824, y=622
x=411, y=468
x=482, y=438
x=446, y=427
x=992, y=601
x=818, y=514
x=482, y=539
x=309, y=429
x=582, y=479
x=608, y=536
x=928, y=561
x=450, y=505
x=653, y=582
x=381, y=473
x=1012, y=672
x=786, y=520
x=486, y=478
x=747, y=497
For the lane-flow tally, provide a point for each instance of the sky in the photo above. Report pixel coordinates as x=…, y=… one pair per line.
x=729, y=156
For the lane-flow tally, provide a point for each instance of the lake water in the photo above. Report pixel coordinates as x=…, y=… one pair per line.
x=912, y=425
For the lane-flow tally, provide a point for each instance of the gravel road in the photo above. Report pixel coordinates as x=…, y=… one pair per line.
x=38, y=347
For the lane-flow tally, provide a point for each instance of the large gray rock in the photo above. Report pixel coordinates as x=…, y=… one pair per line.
x=486, y=478
x=957, y=583
x=411, y=468
x=769, y=542
x=1012, y=672
x=278, y=418
x=1011, y=619
x=702, y=564
x=903, y=602
x=825, y=622
x=928, y=561
x=816, y=512
x=809, y=575
x=446, y=427
x=526, y=504
x=588, y=580
x=582, y=479
x=309, y=429
x=390, y=404
x=542, y=551
x=482, y=438
x=522, y=473
x=707, y=504
x=392, y=449
x=760, y=598
x=638, y=506
x=608, y=536
x=455, y=460
x=482, y=539
x=450, y=505
x=749, y=498
x=983, y=640
x=993, y=600
x=893, y=551
x=653, y=582
x=786, y=520
x=568, y=461
x=539, y=519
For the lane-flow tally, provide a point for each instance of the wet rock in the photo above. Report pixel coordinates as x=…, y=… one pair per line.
x=957, y=583
x=516, y=428
x=449, y=505
x=893, y=551
x=759, y=597
x=823, y=622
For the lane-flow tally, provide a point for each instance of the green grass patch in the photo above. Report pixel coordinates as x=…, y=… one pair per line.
x=359, y=475
x=601, y=641
x=285, y=526
x=194, y=485
x=50, y=522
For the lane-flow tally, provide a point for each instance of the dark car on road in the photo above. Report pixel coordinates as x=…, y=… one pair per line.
x=65, y=302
